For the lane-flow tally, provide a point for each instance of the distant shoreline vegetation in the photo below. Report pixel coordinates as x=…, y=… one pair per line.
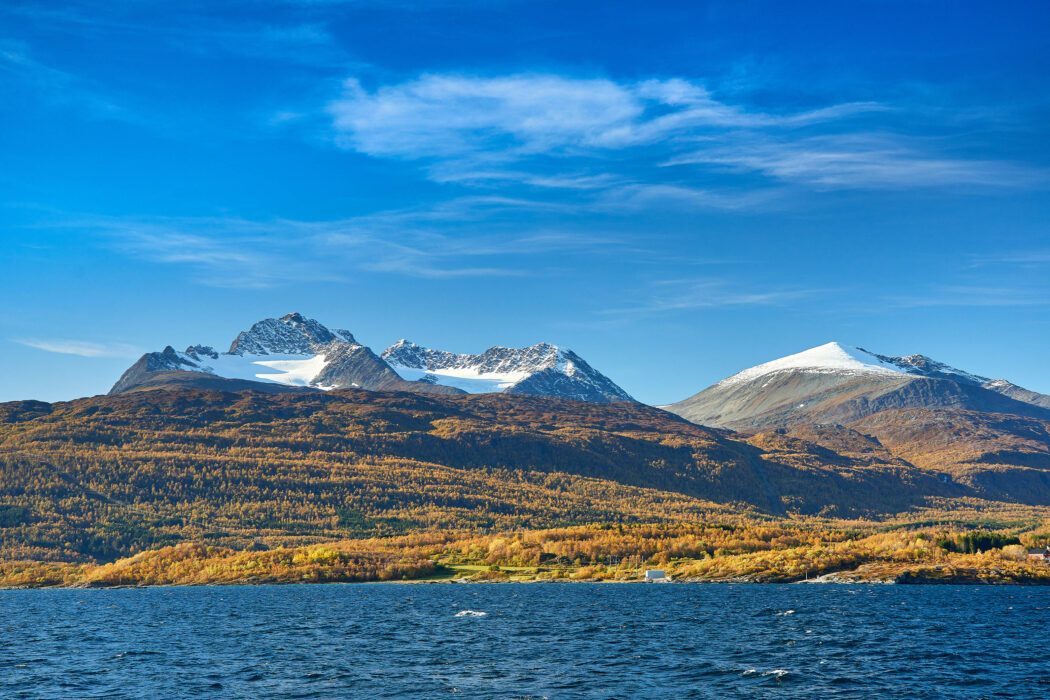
x=688, y=553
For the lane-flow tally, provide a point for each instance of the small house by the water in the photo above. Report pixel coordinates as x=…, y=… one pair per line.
x=655, y=575
x=1039, y=554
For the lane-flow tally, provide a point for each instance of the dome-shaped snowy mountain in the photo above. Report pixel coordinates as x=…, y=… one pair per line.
x=836, y=383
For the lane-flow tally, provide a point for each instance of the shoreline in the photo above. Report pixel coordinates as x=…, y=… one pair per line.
x=834, y=579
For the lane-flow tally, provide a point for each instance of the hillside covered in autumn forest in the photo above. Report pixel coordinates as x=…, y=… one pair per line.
x=104, y=477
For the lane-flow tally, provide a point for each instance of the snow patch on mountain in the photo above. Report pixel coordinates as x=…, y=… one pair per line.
x=828, y=358
x=928, y=367
x=496, y=369
x=297, y=351
x=468, y=382
x=537, y=369
x=288, y=369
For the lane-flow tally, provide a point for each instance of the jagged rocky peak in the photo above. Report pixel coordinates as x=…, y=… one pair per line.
x=497, y=359
x=407, y=354
x=290, y=351
x=291, y=334
x=297, y=351
x=199, y=352
x=543, y=369
x=928, y=367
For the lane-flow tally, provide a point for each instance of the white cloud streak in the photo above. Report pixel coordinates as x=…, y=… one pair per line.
x=692, y=294
x=858, y=161
x=81, y=347
x=56, y=87
x=450, y=115
x=598, y=134
x=455, y=239
x=975, y=296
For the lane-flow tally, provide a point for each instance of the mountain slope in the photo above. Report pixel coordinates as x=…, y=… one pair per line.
x=835, y=383
x=990, y=435
x=541, y=369
x=115, y=474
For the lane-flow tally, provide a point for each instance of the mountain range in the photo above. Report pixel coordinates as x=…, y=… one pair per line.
x=911, y=408
x=298, y=433
x=295, y=353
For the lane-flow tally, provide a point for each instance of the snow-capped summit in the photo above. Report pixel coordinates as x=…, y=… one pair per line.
x=537, y=369
x=828, y=358
x=297, y=352
x=845, y=359
x=836, y=383
x=291, y=334
x=291, y=351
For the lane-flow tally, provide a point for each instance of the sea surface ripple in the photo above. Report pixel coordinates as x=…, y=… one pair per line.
x=526, y=641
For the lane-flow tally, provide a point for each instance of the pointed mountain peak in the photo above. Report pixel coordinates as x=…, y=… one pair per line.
x=292, y=334
x=543, y=369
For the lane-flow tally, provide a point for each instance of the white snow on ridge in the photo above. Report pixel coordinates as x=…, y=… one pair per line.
x=468, y=379
x=291, y=370
x=831, y=358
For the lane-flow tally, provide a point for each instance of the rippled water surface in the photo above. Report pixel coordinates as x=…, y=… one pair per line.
x=533, y=640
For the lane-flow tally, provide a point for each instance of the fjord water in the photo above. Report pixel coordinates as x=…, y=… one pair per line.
x=533, y=640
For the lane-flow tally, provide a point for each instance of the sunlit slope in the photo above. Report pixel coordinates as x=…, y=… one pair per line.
x=116, y=474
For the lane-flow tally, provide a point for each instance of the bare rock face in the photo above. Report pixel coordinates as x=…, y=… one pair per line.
x=292, y=334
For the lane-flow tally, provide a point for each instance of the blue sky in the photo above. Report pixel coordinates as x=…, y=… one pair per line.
x=676, y=193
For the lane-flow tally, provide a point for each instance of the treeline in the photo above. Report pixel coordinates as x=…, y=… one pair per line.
x=709, y=552
x=975, y=542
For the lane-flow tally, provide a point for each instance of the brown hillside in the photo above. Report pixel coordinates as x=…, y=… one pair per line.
x=104, y=476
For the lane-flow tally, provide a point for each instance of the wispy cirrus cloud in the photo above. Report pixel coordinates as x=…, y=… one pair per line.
x=1015, y=257
x=451, y=115
x=598, y=135
x=197, y=30
x=976, y=296
x=453, y=239
x=854, y=161
x=82, y=348
x=20, y=68
x=669, y=296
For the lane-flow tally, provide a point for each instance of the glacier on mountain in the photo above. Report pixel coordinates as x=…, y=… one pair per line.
x=296, y=351
x=536, y=369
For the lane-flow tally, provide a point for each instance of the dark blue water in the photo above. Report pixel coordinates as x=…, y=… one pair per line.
x=556, y=640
